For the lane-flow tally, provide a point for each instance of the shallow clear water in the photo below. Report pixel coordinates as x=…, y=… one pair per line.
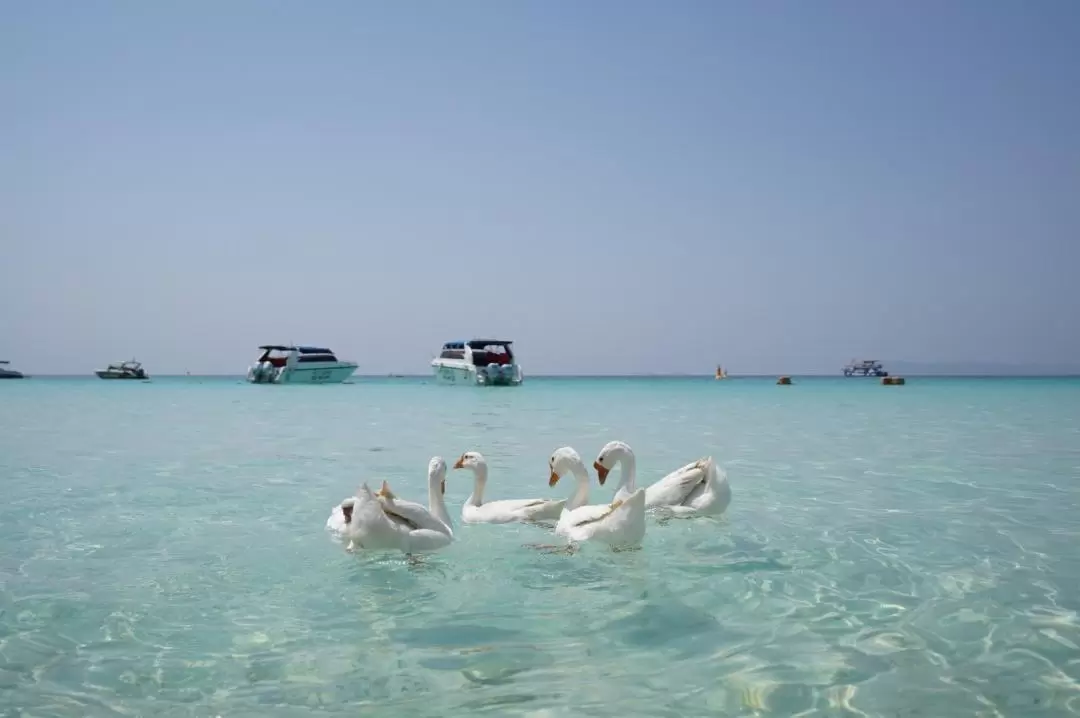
x=889, y=551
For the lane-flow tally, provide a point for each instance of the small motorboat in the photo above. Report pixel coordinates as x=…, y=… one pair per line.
x=285, y=364
x=9, y=373
x=478, y=362
x=123, y=370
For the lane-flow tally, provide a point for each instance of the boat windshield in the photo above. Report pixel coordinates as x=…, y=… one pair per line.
x=484, y=351
x=492, y=354
x=278, y=355
x=275, y=355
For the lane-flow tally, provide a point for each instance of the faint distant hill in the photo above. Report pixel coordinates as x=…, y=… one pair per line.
x=913, y=368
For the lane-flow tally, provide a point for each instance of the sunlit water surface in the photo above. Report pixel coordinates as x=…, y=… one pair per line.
x=889, y=551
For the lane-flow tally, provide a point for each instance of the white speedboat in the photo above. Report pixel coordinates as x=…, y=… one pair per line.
x=299, y=365
x=481, y=362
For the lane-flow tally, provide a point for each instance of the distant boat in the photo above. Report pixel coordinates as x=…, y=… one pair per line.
x=281, y=364
x=721, y=373
x=479, y=362
x=865, y=367
x=123, y=370
x=9, y=373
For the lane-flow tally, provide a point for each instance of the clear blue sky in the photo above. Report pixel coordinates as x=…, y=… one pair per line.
x=619, y=186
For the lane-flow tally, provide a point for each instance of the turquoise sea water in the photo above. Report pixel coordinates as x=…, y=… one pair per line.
x=889, y=551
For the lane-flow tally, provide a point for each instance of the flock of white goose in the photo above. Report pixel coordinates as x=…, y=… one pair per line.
x=381, y=521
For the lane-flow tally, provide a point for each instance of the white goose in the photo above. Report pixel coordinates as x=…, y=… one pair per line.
x=371, y=528
x=434, y=516
x=404, y=525
x=697, y=489
x=477, y=511
x=620, y=524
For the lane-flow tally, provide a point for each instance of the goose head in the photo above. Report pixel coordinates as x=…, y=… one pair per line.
x=612, y=453
x=566, y=461
x=474, y=461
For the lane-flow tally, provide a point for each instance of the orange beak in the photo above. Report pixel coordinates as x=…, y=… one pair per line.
x=460, y=463
x=554, y=479
x=601, y=472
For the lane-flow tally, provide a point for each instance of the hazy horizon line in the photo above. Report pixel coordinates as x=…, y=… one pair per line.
x=647, y=375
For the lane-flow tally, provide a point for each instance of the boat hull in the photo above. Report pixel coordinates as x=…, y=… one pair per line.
x=114, y=375
x=316, y=374
x=10, y=374
x=466, y=374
